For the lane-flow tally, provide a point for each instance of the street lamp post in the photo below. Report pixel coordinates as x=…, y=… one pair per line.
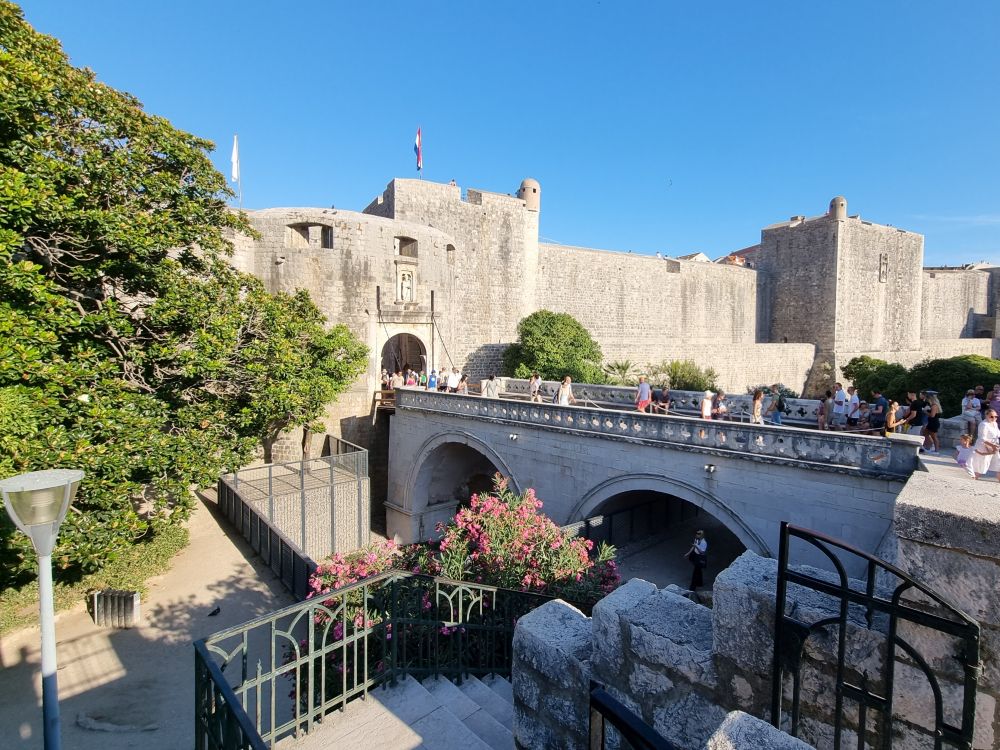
x=37, y=504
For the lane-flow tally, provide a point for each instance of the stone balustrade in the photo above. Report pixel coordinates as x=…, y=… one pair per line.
x=889, y=458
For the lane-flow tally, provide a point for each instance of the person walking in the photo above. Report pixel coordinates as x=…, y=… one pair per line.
x=564, y=396
x=462, y=388
x=719, y=408
x=535, y=387
x=643, y=395
x=453, y=378
x=933, y=422
x=697, y=555
x=877, y=410
x=432, y=381
x=839, y=416
x=776, y=409
x=757, y=407
x=706, y=405
x=491, y=388
x=853, y=407
x=985, y=456
x=971, y=410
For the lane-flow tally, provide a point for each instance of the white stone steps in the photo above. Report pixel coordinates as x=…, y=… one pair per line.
x=500, y=686
x=500, y=709
x=434, y=715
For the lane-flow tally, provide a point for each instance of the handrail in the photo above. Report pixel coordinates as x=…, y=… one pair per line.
x=228, y=710
x=410, y=624
x=604, y=707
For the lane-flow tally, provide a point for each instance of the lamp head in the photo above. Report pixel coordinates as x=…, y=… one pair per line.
x=37, y=502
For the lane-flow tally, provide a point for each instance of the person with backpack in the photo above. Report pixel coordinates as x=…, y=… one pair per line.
x=777, y=407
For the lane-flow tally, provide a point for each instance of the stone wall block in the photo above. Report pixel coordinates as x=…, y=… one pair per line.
x=608, y=655
x=741, y=731
x=551, y=677
x=689, y=720
x=675, y=632
x=743, y=613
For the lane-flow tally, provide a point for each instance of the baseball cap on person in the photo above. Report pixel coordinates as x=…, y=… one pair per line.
x=930, y=392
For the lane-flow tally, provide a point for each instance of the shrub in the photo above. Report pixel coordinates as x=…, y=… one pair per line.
x=621, y=372
x=503, y=539
x=684, y=375
x=554, y=345
x=770, y=390
x=952, y=377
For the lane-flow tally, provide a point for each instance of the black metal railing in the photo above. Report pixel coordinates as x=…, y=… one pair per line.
x=281, y=674
x=606, y=709
x=875, y=605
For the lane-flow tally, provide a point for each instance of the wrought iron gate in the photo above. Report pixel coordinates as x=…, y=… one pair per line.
x=876, y=605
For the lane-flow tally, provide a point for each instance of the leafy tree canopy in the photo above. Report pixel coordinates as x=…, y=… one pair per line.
x=129, y=347
x=554, y=345
x=951, y=377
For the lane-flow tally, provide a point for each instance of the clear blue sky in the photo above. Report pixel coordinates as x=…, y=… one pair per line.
x=652, y=126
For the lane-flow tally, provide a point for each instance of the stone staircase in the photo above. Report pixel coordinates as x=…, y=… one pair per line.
x=436, y=714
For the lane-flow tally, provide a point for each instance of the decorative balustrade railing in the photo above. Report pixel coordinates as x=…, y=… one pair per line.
x=798, y=411
x=827, y=451
x=282, y=673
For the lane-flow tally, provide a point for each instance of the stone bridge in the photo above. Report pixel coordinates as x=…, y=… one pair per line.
x=581, y=460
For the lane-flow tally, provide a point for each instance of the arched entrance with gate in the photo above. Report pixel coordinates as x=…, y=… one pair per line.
x=402, y=351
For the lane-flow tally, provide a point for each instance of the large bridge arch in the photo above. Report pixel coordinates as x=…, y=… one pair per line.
x=697, y=496
x=454, y=446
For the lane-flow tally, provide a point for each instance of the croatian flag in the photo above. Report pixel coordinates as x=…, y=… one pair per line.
x=419, y=152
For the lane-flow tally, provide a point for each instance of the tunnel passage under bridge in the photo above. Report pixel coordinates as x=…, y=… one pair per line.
x=653, y=530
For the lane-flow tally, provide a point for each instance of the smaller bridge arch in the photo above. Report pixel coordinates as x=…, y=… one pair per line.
x=448, y=450
x=646, y=482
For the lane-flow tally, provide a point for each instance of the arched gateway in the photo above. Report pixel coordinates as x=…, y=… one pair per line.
x=657, y=483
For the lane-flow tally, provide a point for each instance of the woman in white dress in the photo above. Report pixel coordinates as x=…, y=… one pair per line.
x=565, y=395
x=985, y=455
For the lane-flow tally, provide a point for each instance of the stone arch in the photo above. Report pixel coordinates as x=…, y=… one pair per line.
x=415, y=491
x=402, y=350
x=669, y=486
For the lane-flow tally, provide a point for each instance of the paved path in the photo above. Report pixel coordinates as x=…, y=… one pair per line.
x=135, y=688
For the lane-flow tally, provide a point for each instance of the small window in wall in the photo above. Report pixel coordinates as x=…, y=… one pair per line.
x=326, y=238
x=297, y=235
x=450, y=253
x=406, y=286
x=883, y=268
x=407, y=247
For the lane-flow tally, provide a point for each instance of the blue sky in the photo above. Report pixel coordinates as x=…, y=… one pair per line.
x=652, y=126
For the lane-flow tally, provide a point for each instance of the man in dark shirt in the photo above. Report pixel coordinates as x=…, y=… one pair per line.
x=879, y=407
x=916, y=415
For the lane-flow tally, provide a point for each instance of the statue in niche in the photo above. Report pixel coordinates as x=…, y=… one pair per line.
x=406, y=286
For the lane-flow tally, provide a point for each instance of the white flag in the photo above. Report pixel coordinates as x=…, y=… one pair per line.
x=236, y=159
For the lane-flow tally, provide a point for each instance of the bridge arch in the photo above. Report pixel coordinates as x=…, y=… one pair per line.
x=698, y=497
x=445, y=454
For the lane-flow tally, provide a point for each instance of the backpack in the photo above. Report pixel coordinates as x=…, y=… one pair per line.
x=780, y=406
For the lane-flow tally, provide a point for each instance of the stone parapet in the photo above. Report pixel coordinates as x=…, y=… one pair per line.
x=861, y=455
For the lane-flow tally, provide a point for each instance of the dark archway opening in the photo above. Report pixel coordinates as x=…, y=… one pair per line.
x=451, y=474
x=404, y=351
x=653, y=530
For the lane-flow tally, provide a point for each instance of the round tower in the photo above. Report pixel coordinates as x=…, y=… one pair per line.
x=531, y=193
x=838, y=208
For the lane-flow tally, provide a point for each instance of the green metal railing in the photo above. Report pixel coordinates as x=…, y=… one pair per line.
x=281, y=674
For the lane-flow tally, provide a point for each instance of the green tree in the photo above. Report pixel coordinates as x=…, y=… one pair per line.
x=868, y=373
x=953, y=376
x=554, y=345
x=128, y=346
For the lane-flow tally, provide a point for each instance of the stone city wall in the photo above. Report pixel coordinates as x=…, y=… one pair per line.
x=954, y=301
